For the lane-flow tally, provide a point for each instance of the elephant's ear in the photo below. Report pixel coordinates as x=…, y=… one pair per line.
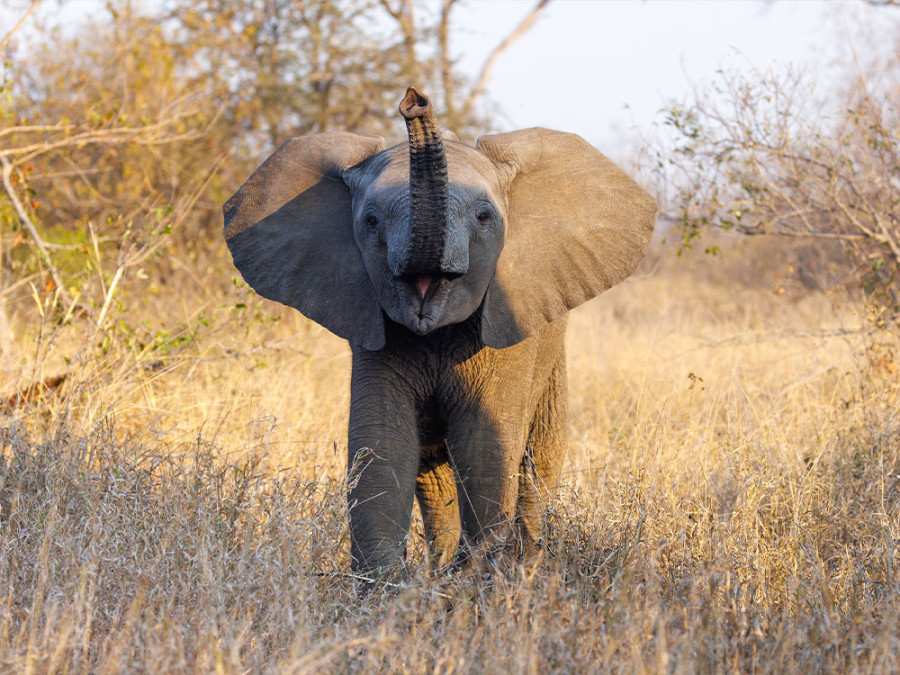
x=576, y=225
x=290, y=231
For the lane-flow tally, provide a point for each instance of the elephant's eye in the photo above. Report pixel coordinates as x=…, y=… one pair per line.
x=370, y=221
x=485, y=215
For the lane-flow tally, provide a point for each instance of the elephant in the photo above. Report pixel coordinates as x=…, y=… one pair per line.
x=450, y=270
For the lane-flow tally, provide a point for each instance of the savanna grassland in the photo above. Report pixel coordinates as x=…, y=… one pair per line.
x=173, y=447
x=730, y=501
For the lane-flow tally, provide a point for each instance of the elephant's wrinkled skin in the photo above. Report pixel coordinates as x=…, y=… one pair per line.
x=450, y=270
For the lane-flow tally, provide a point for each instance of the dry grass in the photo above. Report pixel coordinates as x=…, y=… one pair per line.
x=730, y=503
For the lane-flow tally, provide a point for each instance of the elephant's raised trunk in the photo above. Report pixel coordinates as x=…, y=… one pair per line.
x=427, y=185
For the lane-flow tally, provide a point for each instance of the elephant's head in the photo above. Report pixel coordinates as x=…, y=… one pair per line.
x=525, y=226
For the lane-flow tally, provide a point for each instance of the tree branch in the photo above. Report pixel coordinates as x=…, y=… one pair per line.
x=404, y=15
x=445, y=61
x=396, y=14
x=5, y=174
x=751, y=230
x=485, y=74
x=7, y=37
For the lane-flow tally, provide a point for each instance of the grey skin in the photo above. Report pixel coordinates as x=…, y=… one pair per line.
x=450, y=270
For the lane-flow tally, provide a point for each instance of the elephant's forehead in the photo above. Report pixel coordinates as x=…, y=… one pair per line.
x=465, y=166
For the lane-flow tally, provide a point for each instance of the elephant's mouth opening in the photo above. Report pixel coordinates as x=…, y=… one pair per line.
x=424, y=286
x=423, y=283
x=428, y=296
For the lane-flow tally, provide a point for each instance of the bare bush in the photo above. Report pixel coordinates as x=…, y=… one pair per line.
x=770, y=153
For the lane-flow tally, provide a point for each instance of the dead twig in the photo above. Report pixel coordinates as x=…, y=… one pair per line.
x=485, y=74
x=9, y=35
x=446, y=61
x=6, y=169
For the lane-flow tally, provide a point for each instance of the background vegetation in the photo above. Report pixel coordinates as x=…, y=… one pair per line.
x=172, y=447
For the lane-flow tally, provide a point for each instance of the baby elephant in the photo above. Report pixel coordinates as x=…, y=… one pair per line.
x=450, y=270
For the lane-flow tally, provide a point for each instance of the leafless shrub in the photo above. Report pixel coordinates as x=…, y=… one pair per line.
x=770, y=153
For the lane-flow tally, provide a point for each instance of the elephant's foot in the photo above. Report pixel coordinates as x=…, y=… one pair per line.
x=381, y=580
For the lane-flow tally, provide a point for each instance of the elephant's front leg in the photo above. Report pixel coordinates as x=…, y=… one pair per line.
x=487, y=442
x=436, y=492
x=487, y=467
x=495, y=392
x=383, y=463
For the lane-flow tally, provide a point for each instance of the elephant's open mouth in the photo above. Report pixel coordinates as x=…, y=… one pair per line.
x=428, y=297
x=423, y=288
x=422, y=284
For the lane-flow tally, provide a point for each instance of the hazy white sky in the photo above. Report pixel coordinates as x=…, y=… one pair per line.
x=602, y=67
x=598, y=68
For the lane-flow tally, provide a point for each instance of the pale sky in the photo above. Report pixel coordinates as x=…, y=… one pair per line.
x=604, y=68
x=600, y=68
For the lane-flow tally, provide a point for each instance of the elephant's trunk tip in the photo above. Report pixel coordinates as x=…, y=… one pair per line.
x=414, y=104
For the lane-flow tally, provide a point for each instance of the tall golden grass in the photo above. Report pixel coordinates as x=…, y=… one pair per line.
x=730, y=502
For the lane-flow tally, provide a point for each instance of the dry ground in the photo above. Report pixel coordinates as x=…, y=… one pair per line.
x=730, y=502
